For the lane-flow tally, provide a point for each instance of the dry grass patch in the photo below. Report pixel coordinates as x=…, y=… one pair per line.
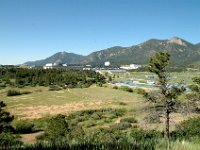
x=35, y=112
x=39, y=104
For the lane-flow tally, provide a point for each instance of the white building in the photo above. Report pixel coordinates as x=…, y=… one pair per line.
x=107, y=63
x=130, y=67
x=64, y=65
x=48, y=66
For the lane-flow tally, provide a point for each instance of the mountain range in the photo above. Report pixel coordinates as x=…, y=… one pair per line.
x=183, y=53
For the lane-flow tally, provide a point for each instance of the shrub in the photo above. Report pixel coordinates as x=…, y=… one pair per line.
x=119, y=112
x=77, y=133
x=2, y=85
x=24, y=127
x=141, y=135
x=20, y=86
x=26, y=92
x=101, y=135
x=121, y=126
x=194, y=87
x=89, y=124
x=153, y=118
x=141, y=92
x=54, y=88
x=86, y=85
x=13, y=93
x=188, y=129
x=96, y=116
x=129, y=119
x=9, y=140
x=39, y=90
x=107, y=120
x=126, y=88
x=56, y=127
x=115, y=87
x=122, y=103
x=5, y=119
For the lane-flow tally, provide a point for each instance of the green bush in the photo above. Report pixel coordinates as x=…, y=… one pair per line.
x=121, y=126
x=129, y=119
x=194, y=87
x=89, y=124
x=188, y=129
x=91, y=118
x=24, y=127
x=115, y=87
x=96, y=116
x=119, y=112
x=17, y=92
x=2, y=85
x=108, y=120
x=20, y=86
x=26, y=92
x=140, y=90
x=54, y=88
x=9, y=141
x=141, y=135
x=56, y=127
x=126, y=88
x=13, y=93
x=76, y=134
x=5, y=119
x=102, y=135
x=121, y=103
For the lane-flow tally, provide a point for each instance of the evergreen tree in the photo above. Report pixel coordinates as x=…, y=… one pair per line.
x=5, y=119
x=166, y=98
x=194, y=96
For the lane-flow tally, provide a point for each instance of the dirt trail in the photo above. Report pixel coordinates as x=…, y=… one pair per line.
x=30, y=138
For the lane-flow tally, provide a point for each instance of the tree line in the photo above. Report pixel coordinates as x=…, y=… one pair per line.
x=32, y=77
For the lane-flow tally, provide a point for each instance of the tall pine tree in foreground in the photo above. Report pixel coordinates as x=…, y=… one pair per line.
x=166, y=98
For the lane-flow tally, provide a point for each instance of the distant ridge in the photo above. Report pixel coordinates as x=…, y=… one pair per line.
x=60, y=57
x=182, y=53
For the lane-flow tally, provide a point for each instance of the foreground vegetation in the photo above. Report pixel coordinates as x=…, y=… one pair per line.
x=81, y=130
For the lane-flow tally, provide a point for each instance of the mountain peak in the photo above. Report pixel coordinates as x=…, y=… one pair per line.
x=177, y=40
x=182, y=52
x=62, y=53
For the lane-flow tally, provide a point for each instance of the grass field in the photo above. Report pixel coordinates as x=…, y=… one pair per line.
x=42, y=102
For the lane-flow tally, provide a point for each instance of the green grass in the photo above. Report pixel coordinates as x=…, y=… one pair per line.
x=42, y=102
x=178, y=145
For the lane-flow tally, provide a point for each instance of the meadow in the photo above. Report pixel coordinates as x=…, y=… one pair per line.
x=92, y=109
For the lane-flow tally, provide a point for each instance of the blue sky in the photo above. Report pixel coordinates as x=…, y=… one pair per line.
x=36, y=29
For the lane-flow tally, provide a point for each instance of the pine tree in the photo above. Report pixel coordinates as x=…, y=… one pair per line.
x=5, y=119
x=167, y=95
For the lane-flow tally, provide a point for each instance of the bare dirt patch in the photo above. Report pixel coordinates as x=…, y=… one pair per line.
x=30, y=138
